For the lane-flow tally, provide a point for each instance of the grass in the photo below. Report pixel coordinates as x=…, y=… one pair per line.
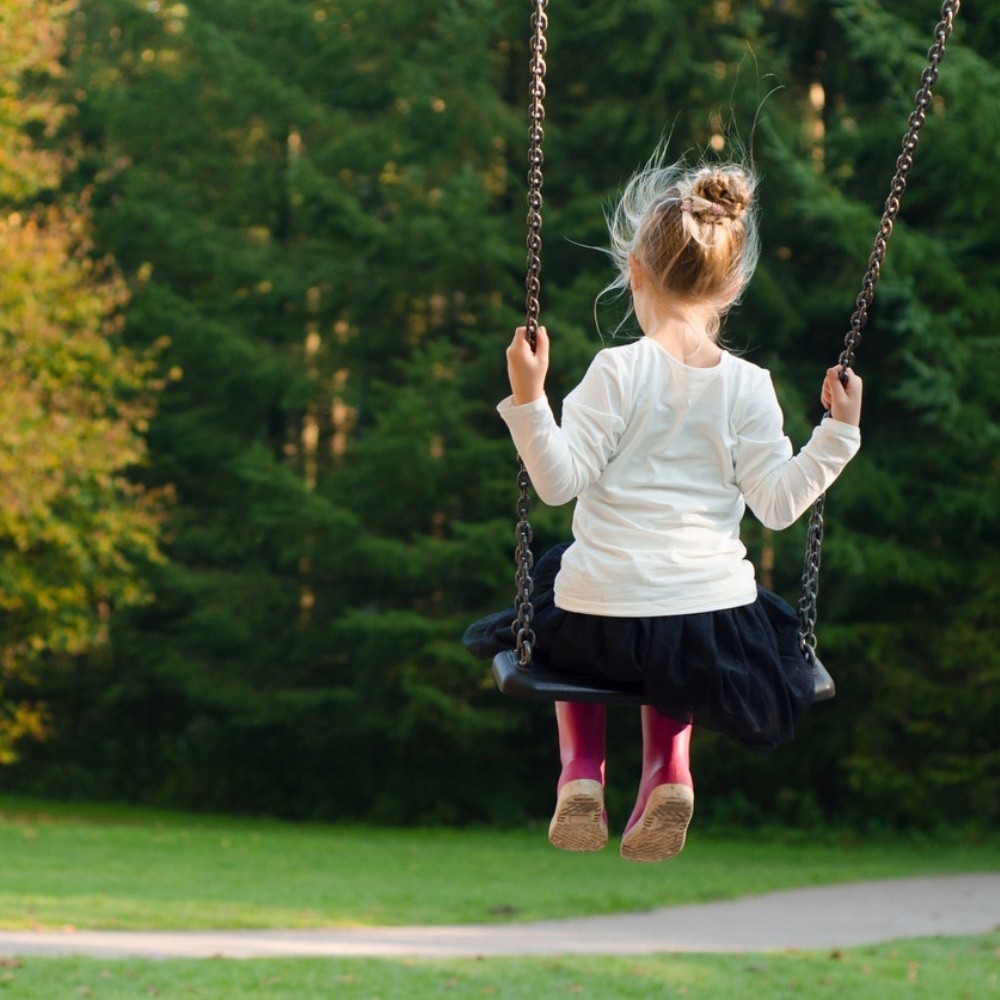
x=112, y=867
x=955, y=968
x=96, y=867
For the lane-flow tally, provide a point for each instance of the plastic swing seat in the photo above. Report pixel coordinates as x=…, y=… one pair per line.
x=536, y=684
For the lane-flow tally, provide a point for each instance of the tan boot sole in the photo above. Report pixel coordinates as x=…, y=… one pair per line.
x=662, y=829
x=578, y=823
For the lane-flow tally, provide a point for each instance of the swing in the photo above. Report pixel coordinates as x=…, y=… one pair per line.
x=513, y=670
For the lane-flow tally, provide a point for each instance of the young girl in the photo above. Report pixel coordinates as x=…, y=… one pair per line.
x=663, y=445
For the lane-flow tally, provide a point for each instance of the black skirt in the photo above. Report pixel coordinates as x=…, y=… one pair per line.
x=740, y=670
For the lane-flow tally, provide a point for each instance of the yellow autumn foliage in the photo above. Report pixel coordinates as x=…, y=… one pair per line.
x=73, y=398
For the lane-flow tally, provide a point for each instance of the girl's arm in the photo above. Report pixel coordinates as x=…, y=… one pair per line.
x=777, y=486
x=562, y=461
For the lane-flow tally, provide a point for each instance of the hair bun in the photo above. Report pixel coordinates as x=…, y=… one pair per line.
x=694, y=231
x=727, y=189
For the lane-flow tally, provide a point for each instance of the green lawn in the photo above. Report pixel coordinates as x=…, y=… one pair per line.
x=95, y=866
x=948, y=969
x=110, y=867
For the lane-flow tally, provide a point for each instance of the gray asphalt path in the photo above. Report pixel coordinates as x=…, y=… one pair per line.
x=815, y=918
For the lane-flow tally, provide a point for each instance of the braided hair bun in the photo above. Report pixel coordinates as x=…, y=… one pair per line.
x=720, y=194
x=694, y=230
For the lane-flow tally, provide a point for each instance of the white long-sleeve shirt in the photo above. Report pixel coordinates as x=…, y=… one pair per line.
x=663, y=460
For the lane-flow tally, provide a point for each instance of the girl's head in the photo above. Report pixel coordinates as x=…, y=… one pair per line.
x=692, y=233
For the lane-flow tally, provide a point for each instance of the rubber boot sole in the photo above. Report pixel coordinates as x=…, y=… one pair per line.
x=660, y=832
x=578, y=823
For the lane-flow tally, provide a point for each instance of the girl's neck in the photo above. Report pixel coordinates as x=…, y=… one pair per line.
x=682, y=333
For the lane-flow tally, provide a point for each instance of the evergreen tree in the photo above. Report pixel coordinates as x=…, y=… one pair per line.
x=915, y=558
x=307, y=201
x=321, y=206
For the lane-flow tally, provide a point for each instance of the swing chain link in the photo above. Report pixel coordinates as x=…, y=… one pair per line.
x=536, y=159
x=922, y=104
x=523, y=633
x=810, y=581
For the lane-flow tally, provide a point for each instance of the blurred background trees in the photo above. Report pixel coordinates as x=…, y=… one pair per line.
x=315, y=213
x=76, y=536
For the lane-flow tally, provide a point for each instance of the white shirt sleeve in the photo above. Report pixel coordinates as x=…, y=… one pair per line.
x=777, y=486
x=563, y=461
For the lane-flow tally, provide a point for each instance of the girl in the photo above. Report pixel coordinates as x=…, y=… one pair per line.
x=663, y=445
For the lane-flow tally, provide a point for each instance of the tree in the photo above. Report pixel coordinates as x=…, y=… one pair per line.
x=308, y=208
x=74, y=402
x=322, y=206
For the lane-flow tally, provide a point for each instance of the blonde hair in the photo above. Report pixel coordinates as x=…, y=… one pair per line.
x=694, y=230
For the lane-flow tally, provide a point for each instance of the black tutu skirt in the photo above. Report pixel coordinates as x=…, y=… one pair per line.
x=739, y=671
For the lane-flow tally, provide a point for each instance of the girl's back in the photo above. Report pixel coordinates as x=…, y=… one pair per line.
x=660, y=456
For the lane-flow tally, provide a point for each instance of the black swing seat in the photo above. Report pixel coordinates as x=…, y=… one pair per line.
x=536, y=684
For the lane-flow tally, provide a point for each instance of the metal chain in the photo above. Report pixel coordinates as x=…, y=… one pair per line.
x=811, y=564
x=523, y=633
x=536, y=159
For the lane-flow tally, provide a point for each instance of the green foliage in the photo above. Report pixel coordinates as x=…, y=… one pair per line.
x=911, y=560
x=321, y=207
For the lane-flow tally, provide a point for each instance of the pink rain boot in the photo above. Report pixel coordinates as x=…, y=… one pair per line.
x=663, y=810
x=579, y=822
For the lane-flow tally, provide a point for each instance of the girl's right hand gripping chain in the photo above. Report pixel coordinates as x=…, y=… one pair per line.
x=526, y=369
x=843, y=401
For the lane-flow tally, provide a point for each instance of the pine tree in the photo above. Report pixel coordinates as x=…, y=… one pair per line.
x=321, y=206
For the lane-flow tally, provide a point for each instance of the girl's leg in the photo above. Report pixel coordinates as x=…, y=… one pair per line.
x=579, y=822
x=658, y=825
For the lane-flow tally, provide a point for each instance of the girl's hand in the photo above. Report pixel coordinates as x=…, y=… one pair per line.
x=843, y=402
x=526, y=369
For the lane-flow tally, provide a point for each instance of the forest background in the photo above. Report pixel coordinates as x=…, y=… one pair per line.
x=260, y=262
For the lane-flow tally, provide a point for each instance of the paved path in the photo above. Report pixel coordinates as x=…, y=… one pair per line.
x=816, y=918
